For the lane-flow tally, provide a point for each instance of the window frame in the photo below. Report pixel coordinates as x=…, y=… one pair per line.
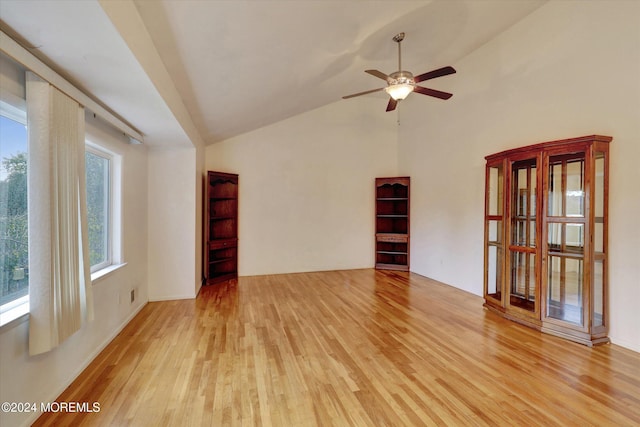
x=14, y=108
x=108, y=183
x=114, y=248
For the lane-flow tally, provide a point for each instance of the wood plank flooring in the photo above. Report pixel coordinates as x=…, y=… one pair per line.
x=347, y=348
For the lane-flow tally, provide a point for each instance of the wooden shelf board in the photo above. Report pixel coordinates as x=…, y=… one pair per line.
x=400, y=267
x=221, y=277
x=221, y=260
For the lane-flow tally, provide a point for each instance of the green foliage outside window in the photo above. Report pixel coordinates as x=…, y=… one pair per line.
x=97, y=173
x=14, y=243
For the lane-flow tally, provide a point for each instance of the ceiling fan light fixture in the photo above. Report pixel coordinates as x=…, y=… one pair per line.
x=399, y=91
x=401, y=83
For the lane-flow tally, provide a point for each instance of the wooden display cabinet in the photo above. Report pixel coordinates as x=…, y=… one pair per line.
x=392, y=223
x=221, y=227
x=546, y=237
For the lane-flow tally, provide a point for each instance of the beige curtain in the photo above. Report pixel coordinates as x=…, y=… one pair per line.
x=60, y=296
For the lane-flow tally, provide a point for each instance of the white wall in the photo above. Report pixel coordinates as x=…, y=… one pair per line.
x=200, y=172
x=307, y=187
x=568, y=69
x=172, y=221
x=42, y=378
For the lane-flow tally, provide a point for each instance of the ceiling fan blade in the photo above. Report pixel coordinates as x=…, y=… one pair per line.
x=432, y=92
x=392, y=104
x=362, y=93
x=435, y=73
x=378, y=74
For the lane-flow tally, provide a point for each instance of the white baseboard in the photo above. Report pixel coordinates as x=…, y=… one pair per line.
x=84, y=365
x=171, y=298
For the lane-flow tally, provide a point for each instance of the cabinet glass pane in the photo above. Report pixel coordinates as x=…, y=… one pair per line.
x=598, y=293
x=522, y=199
x=495, y=232
x=599, y=184
x=598, y=237
x=598, y=232
x=575, y=188
x=532, y=233
x=554, y=237
x=519, y=233
x=566, y=238
x=565, y=288
x=532, y=209
x=494, y=272
x=555, y=190
x=523, y=280
x=496, y=185
x=523, y=212
x=575, y=238
x=532, y=192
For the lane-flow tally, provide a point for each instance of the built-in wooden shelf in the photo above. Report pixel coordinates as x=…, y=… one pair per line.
x=221, y=234
x=392, y=223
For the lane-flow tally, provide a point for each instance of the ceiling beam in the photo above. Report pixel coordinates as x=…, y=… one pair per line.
x=127, y=20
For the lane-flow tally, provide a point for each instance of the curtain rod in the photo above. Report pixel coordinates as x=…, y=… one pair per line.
x=21, y=55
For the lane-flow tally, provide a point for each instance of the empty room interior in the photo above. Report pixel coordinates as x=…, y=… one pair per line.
x=319, y=213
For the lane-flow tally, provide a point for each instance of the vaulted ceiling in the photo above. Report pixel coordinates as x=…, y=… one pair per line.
x=185, y=71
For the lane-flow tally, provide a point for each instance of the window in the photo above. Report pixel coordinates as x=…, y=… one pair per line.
x=102, y=174
x=97, y=166
x=103, y=219
x=14, y=249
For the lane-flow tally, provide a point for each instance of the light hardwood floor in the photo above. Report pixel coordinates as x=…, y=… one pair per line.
x=348, y=348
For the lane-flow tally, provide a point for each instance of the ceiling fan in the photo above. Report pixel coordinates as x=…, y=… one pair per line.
x=401, y=83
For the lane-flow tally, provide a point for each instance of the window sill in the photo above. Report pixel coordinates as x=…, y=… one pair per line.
x=19, y=311
x=101, y=274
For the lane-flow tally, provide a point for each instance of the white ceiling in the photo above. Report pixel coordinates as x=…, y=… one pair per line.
x=210, y=70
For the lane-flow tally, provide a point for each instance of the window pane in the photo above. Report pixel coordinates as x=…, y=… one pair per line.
x=97, y=170
x=14, y=245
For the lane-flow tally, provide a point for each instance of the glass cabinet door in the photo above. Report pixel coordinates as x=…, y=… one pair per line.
x=565, y=235
x=494, y=249
x=599, y=238
x=523, y=290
